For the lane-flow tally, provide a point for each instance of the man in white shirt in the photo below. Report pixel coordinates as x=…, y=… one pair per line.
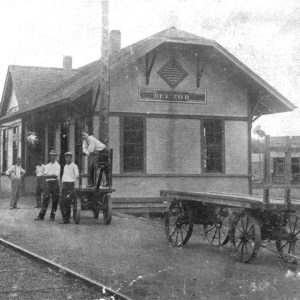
x=40, y=182
x=52, y=174
x=15, y=174
x=90, y=147
x=69, y=177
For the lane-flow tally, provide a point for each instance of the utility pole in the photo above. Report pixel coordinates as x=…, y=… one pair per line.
x=105, y=77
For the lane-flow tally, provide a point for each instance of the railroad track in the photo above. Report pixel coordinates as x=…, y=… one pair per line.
x=26, y=275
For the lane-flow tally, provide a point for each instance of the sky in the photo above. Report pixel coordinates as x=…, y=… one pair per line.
x=265, y=35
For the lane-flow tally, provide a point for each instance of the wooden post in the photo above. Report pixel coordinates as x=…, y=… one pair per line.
x=288, y=172
x=267, y=171
x=105, y=77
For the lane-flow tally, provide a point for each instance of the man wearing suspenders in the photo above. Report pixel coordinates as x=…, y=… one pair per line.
x=15, y=174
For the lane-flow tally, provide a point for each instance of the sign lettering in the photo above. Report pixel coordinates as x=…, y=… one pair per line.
x=172, y=96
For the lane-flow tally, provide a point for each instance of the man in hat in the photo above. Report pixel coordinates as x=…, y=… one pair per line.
x=15, y=174
x=51, y=173
x=90, y=147
x=69, y=177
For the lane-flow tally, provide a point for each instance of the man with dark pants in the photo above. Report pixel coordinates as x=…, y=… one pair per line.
x=69, y=177
x=52, y=173
x=91, y=147
x=15, y=174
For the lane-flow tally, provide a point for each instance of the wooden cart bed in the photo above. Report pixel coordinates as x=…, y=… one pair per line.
x=232, y=200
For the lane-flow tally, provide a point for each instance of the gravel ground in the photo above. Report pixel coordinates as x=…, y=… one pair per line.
x=23, y=278
x=132, y=255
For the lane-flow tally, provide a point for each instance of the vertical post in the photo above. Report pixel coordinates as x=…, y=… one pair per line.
x=105, y=77
x=250, y=156
x=267, y=171
x=46, y=143
x=288, y=172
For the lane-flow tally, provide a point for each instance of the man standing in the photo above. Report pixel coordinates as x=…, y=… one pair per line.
x=52, y=173
x=69, y=177
x=15, y=174
x=40, y=182
x=90, y=147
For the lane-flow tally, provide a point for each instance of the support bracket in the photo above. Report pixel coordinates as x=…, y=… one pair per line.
x=149, y=66
x=95, y=99
x=199, y=70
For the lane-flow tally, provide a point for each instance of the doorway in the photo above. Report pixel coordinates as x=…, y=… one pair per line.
x=64, y=144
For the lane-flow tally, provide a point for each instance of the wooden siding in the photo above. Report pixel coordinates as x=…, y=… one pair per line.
x=225, y=96
x=173, y=146
x=114, y=142
x=236, y=149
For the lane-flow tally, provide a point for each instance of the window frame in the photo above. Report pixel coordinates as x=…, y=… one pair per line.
x=15, y=142
x=4, y=152
x=203, y=146
x=122, y=128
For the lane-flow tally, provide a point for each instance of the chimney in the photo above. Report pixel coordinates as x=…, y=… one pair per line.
x=114, y=41
x=67, y=62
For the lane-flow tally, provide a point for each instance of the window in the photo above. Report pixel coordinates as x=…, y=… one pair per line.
x=5, y=148
x=279, y=165
x=16, y=132
x=213, y=146
x=51, y=137
x=133, y=144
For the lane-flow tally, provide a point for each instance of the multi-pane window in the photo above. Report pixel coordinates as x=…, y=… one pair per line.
x=133, y=144
x=16, y=132
x=5, y=149
x=279, y=165
x=213, y=145
x=51, y=137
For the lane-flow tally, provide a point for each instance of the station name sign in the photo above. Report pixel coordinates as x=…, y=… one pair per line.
x=172, y=96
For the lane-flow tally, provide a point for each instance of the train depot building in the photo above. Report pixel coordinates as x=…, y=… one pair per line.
x=180, y=115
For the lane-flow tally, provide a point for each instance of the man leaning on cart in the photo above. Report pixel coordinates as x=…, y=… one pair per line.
x=90, y=147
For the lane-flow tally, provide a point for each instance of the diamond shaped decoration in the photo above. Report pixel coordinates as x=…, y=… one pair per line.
x=172, y=73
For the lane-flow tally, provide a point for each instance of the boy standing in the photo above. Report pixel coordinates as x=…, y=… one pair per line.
x=15, y=174
x=69, y=177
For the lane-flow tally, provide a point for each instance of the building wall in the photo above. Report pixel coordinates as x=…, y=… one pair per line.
x=236, y=147
x=173, y=146
x=225, y=96
x=149, y=186
x=114, y=142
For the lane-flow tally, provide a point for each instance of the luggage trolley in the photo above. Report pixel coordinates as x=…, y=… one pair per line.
x=96, y=198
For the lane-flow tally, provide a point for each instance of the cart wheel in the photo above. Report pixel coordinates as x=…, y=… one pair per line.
x=179, y=223
x=290, y=244
x=217, y=233
x=97, y=205
x=74, y=213
x=107, y=209
x=77, y=216
x=245, y=237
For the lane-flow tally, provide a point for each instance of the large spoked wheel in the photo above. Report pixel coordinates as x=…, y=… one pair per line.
x=179, y=223
x=217, y=233
x=289, y=248
x=77, y=216
x=97, y=205
x=107, y=209
x=245, y=236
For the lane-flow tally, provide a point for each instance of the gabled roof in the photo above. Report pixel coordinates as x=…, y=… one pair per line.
x=71, y=85
x=31, y=84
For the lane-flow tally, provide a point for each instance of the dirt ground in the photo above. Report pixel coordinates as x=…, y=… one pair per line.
x=23, y=278
x=132, y=255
